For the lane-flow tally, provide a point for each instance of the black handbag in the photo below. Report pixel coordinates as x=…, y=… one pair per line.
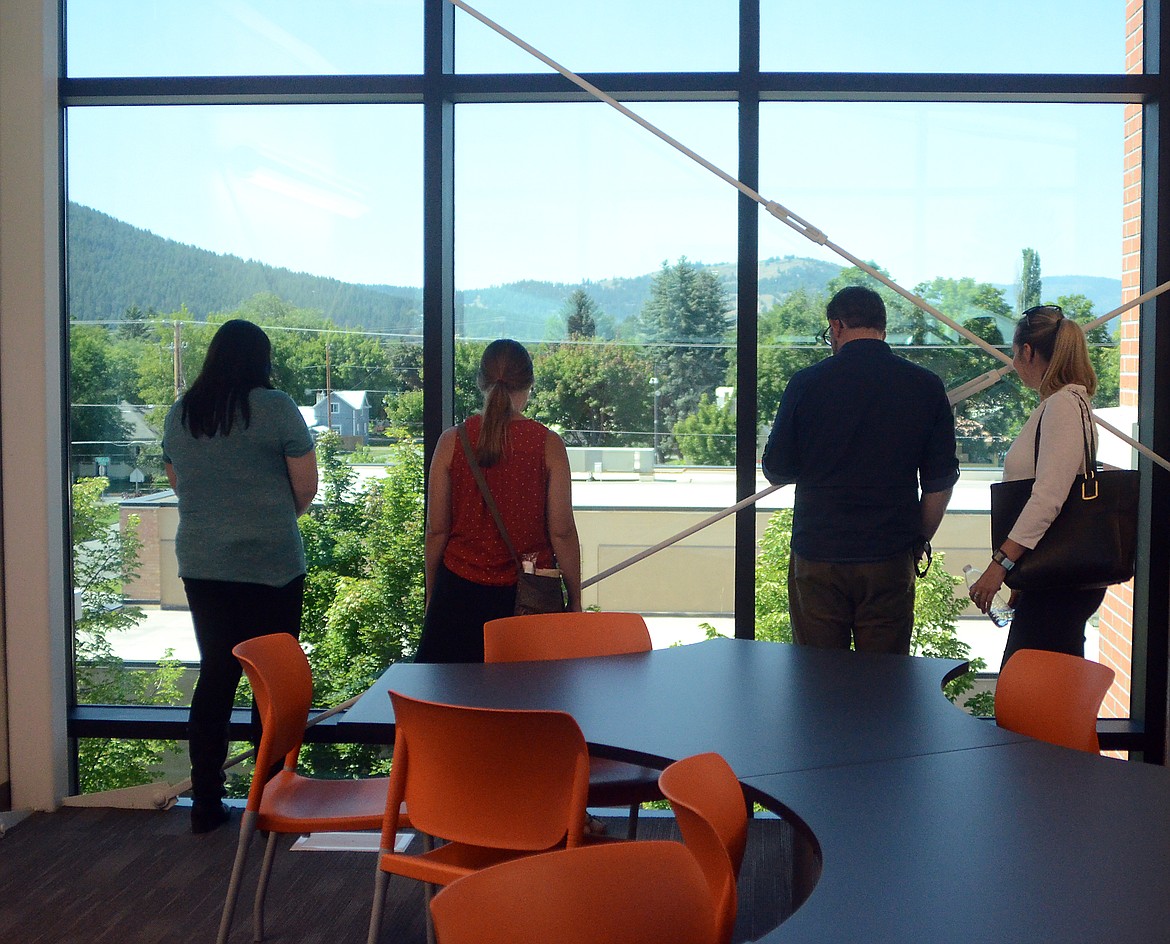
x=536, y=592
x=1091, y=543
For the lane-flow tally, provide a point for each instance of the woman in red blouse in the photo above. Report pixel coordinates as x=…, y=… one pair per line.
x=471, y=576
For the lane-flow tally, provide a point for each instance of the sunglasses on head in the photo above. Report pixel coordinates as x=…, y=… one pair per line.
x=1053, y=310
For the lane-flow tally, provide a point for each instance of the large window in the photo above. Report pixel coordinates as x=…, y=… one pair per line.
x=305, y=220
x=973, y=36
x=601, y=36
x=980, y=209
x=263, y=37
x=383, y=215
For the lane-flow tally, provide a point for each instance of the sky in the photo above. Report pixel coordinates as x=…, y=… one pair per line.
x=569, y=193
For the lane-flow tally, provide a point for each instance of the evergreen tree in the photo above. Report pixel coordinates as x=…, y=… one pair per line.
x=1029, y=293
x=581, y=315
x=685, y=318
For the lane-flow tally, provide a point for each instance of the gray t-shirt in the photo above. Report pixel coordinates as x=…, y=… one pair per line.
x=237, y=516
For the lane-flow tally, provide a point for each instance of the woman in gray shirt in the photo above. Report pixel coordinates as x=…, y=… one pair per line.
x=241, y=462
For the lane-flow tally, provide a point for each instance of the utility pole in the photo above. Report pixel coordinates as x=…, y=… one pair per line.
x=178, y=359
x=328, y=389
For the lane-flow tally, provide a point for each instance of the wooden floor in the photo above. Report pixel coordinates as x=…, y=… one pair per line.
x=83, y=876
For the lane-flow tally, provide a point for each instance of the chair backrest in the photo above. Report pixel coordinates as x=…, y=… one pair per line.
x=649, y=892
x=282, y=684
x=1053, y=697
x=505, y=778
x=546, y=636
x=711, y=811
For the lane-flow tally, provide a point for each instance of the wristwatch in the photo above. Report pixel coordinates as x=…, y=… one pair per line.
x=1003, y=560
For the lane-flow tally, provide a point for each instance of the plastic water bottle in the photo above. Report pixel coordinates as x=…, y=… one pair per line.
x=999, y=612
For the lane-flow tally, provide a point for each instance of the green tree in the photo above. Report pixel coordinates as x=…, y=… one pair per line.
x=788, y=341
x=593, y=393
x=135, y=323
x=988, y=421
x=1030, y=283
x=364, y=586
x=404, y=411
x=936, y=610
x=1104, y=351
x=906, y=323
x=155, y=368
x=686, y=321
x=104, y=558
x=468, y=399
x=96, y=388
x=580, y=313
x=707, y=436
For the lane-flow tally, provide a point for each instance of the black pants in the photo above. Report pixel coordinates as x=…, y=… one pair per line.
x=1053, y=619
x=453, y=627
x=225, y=613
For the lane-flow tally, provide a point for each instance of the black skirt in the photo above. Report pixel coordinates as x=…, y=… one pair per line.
x=453, y=626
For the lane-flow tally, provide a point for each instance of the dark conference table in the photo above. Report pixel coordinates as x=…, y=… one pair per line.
x=930, y=825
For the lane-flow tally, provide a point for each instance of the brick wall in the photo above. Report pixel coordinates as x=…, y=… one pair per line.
x=1116, y=616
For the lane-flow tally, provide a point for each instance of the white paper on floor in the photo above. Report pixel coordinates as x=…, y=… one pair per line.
x=348, y=842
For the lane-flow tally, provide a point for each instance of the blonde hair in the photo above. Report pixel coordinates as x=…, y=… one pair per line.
x=1061, y=342
x=504, y=369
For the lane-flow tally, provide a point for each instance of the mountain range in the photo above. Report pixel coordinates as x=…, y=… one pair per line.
x=114, y=266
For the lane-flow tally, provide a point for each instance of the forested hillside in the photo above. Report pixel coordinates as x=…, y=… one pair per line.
x=114, y=266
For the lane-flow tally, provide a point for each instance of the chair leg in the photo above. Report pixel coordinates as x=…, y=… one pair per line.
x=428, y=894
x=262, y=889
x=428, y=842
x=632, y=827
x=247, y=828
x=380, y=881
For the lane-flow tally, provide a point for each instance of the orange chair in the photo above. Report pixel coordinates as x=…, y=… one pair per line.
x=1052, y=697
x=282, y=684
x=495, y=784
x=709, y=804
x=619, y=893
x=574, y=636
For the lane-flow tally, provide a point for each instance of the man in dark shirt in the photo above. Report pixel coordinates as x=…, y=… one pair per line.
x=858, y=433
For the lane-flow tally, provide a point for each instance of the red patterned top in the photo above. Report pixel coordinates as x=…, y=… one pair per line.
x=519, y=484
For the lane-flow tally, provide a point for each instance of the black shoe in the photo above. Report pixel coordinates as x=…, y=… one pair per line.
x=208, y=816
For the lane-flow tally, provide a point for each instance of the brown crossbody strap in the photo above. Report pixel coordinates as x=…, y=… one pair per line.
x=487, y=494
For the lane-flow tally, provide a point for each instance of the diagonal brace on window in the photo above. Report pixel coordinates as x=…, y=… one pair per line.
x=806, y=229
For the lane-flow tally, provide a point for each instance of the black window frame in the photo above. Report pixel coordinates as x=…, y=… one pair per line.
x=439, y=89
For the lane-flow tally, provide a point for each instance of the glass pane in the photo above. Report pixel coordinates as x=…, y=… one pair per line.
x=601, y=36
x=264, y=37
x=983, y=210
x=977, y=36
x=612, y=257
x=308, y=222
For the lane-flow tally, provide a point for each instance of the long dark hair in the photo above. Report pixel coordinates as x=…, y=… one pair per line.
x=239, y=359
x=505, y=368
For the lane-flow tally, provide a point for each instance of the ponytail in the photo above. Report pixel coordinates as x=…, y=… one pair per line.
x=493, y=435
x=1070, y=363
x=504, y=369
